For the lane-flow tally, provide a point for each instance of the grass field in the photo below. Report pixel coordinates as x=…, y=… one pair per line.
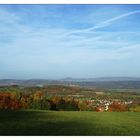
x=36, y=122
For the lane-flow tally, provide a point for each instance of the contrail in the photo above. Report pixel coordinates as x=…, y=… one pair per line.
x=104, y=23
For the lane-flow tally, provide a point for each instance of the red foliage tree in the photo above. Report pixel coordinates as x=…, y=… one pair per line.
x=119, y=107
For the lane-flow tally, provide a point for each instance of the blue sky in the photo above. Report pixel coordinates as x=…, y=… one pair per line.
x=79, y=41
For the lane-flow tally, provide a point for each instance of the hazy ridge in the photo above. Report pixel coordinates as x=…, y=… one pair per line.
x=103, y=82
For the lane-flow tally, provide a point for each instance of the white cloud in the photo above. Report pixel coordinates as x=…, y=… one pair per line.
x=36, y=49
x=104, y=23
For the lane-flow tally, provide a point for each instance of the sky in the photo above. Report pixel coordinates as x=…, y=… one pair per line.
x=78, y=41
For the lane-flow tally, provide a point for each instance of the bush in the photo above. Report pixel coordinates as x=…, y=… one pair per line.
x=135, y=109
x=115, y=106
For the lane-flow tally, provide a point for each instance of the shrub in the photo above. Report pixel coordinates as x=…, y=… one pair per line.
x=135, y=109
x=115, y=106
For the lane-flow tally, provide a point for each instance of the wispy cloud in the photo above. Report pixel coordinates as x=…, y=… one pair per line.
x=104, y=23
x=29, y=43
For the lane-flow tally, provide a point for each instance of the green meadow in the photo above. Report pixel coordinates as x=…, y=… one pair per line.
x=69, y=123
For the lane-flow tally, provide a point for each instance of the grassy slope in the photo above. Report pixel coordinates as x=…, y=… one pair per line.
x=31, y=122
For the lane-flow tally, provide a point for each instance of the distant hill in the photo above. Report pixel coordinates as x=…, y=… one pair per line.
x=103, y=79
x=103, y=82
